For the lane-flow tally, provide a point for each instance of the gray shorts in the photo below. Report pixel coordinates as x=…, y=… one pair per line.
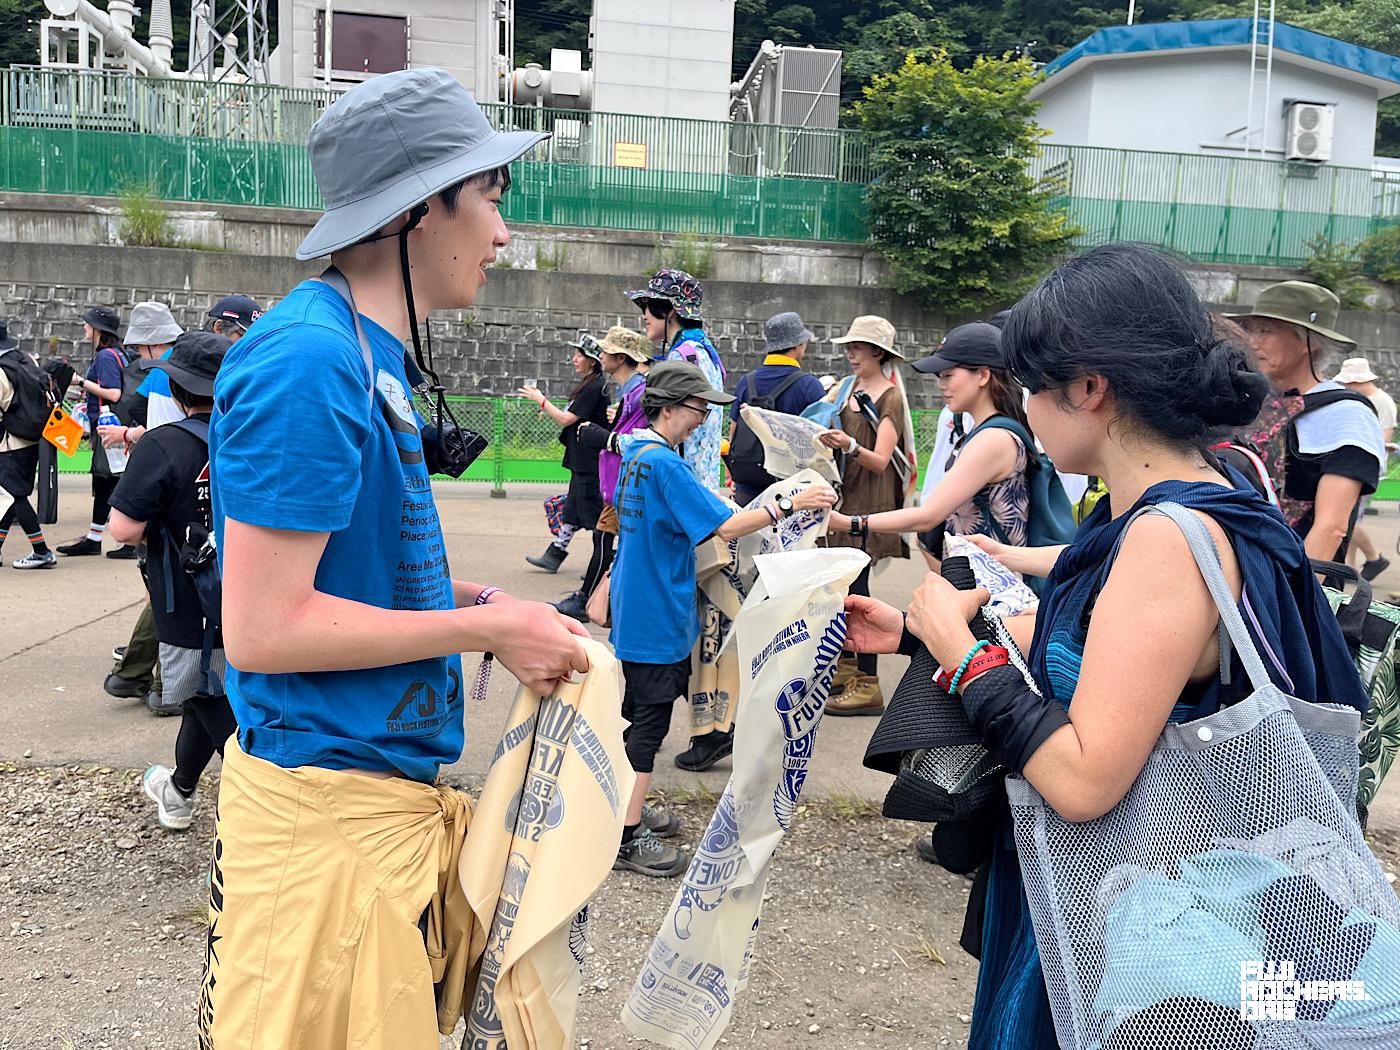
x=179, y=673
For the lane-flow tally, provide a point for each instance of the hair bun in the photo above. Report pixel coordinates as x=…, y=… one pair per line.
x=1230, y=391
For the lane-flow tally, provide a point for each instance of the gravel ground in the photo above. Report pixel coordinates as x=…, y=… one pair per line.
x=102, y=916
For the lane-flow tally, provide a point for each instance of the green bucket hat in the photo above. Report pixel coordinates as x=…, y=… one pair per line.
x=1309, y=306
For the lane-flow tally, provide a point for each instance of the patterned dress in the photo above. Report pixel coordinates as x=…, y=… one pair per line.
x=701, y=452
x=1008, y=500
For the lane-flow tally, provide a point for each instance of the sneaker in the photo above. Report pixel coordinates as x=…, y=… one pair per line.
x=659, y=821
x=173, y=810
x=705, y=751
x=124, y=688
x=575, y=605
x=119, y=652
x=156, y=705
x=1369, y=571
x=35, y=560
x=862, y=696
x=81, y=548
x=551, y=559
x=126, y=552
x=647, y=856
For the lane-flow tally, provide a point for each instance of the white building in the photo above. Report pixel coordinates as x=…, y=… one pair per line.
x=1201, y=87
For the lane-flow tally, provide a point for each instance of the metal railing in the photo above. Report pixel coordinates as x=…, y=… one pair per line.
x=115, y=101
x=1215, y=209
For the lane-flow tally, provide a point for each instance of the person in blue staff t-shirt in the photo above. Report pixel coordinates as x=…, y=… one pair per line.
x=342, y=623
x=664, y=513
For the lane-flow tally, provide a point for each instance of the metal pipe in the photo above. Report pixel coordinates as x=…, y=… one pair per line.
x=117, y=38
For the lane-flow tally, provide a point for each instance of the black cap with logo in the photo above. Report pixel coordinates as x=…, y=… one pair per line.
x=975, y=345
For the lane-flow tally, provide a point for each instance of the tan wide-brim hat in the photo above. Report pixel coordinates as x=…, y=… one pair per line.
x=624, y=341
x=1355, y=370
x=873, y=330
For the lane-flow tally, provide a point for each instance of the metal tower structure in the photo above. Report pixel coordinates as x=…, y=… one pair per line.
x=240, y=30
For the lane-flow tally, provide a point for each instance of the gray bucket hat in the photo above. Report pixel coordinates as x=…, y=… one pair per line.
x=391, y=143
x=784, y=331
x=151, y=324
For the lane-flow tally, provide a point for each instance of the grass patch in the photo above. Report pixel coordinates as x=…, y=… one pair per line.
x=689, y=252
x=145, y=219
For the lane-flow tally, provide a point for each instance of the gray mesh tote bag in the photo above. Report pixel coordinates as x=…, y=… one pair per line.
x=1229, y=901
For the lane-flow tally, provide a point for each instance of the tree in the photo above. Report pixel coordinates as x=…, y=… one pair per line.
x=953, y=210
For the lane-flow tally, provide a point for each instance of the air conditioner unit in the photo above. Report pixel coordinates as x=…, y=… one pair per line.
x=1309, y=131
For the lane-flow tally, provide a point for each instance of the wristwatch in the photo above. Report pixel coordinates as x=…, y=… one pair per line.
x=785, y=506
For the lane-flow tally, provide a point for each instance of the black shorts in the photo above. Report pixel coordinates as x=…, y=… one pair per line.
x=18, y=470
x=650, y=691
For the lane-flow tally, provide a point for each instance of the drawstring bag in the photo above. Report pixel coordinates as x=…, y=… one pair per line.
x=554, y=513
x=1229, y=900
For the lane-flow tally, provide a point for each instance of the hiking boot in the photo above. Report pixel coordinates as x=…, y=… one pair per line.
x=551, y=559
x=126, y=552
x=705, y=751
x=156, y=704
x=575, y=605
x=173, y=810
x=862, y=696
x=846, y=669
x=81, y=548
x=647, y=856
x=1369, y=570
x=35, y=560
x=659, y=821
x=125, y=688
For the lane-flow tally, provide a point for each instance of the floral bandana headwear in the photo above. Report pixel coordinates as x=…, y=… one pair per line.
x=676, y=287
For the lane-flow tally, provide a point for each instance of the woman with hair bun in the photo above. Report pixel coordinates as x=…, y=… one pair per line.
x=1126, y=377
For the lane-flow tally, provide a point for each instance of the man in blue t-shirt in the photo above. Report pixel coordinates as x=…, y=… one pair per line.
x=663, y=514
x=342, y=623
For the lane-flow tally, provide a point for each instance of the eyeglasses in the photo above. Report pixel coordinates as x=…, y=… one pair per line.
x=703, y=411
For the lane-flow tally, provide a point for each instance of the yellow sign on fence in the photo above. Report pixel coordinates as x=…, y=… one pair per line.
x=630, y=154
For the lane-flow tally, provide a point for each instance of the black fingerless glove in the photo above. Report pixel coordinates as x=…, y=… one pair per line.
x=1012, y=720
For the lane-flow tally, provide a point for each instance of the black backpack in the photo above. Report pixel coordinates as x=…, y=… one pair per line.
x=198, y=557
x=30, y=407
x=745, y=458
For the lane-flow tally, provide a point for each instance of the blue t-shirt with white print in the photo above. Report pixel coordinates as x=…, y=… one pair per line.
x=298, y=442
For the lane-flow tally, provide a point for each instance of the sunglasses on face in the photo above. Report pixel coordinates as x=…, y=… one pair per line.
x=656, y=308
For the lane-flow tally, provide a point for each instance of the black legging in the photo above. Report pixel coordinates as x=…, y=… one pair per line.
x=866, y=663
x=207, y=723
x=600, y=561
x=21, y=511
x=102, y=489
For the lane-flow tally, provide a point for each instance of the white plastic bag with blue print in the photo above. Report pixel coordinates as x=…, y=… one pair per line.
x=789, y=635
x=1229, y=900
x=1010, y=595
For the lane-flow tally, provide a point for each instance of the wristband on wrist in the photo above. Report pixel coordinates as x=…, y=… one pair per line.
x=772, y=512
x=485, y=595
x=991, y=656
x=956, y=678
x=853, y=447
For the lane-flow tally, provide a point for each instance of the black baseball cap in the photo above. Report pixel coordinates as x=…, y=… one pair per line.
x=193, y=362
x=671, y=382
x=975, y=345
x=103, y=318
x=239, y=309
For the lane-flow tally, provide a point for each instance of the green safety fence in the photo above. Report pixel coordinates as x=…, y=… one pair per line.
x=58, y=160
x=1213, y=208
x=524, y=445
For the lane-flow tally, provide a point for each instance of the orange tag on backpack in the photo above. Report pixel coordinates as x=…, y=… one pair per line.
x=63, y=432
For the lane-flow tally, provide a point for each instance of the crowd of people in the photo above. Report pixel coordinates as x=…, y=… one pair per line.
x=1111, y=368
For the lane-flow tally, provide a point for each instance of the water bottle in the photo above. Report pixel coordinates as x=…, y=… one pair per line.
x=117, y=454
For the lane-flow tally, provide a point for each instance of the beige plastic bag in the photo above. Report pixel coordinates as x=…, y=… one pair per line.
x=725, y=576
x=542, y=841
x=788, y=636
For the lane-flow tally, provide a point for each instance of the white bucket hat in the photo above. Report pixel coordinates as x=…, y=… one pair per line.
x=873, y=330
x=151, y=324
x=1356, y=370
x=391, y=143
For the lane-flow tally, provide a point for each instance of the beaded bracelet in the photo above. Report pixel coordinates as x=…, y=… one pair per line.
x=977, y=647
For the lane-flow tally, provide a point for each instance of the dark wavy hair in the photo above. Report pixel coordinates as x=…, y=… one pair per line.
x=1128, y=313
